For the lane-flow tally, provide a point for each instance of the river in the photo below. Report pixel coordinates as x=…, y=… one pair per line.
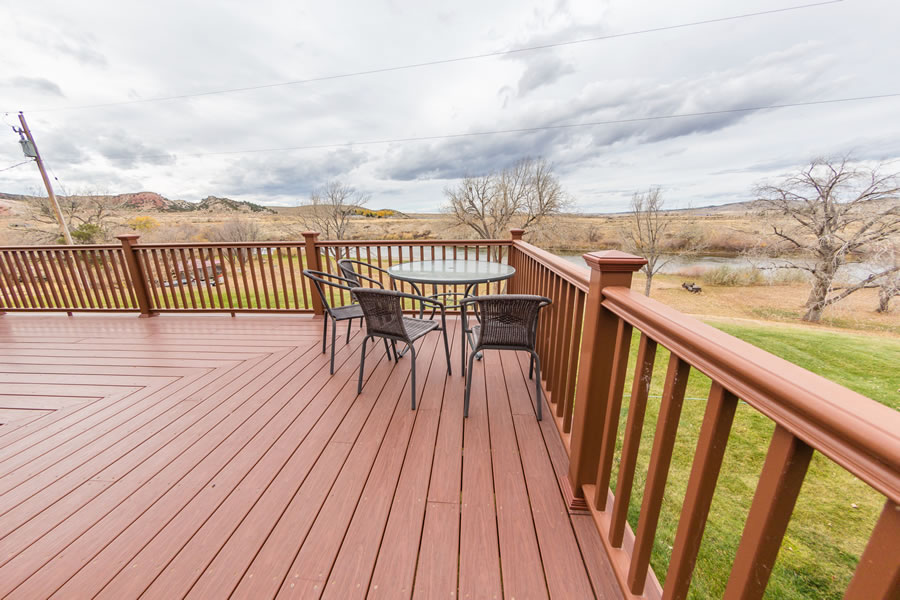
x=850, y=273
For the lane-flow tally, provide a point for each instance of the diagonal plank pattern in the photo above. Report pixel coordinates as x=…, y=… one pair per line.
x=215, y=457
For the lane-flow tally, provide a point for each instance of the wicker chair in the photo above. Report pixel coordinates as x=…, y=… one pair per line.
x=383, y=311
x=507, y=322
x=337, y=313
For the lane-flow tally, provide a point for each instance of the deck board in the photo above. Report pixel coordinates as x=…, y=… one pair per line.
x=210, y=456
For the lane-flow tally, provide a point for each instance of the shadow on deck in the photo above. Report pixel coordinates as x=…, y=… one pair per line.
x=207, y=456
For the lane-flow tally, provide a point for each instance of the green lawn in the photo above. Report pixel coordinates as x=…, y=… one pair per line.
x=826, y=535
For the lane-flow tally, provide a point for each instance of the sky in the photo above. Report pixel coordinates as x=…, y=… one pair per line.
x=60, y=56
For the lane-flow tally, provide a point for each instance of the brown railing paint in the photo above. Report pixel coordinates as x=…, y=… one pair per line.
x=584, y=342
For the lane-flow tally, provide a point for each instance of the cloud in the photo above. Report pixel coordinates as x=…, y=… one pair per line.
x=294, y=174
x=125, y=151
x=36, y=84
x=542, y=70
x=763, y=81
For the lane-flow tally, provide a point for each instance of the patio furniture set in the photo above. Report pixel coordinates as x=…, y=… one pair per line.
x=502, y=321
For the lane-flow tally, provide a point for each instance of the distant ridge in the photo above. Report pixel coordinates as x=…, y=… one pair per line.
x=153, y=202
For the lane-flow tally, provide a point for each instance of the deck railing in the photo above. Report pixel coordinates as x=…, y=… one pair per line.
x=65, y=278
x=585, y=341
x=230, y=277
x=810, y=414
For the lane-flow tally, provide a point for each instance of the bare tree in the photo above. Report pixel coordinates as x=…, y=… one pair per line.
x=330, y=208
x=649, y=223
x=88, y=214
x=827, y=212
x=522, y=195
x=887, y=256
x=236, y=230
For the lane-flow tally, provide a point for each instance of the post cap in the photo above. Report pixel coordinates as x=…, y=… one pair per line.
x=128, y=236
x=310, y=234
x=614, y=260
x=516, y=233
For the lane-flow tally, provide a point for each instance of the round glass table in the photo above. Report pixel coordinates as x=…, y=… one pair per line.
x=469, y=273
x=451, y=272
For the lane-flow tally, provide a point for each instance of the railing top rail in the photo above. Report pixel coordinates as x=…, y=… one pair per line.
x=856, y=432
x=64, y=247
x=274, y=244
x=578, y=276
x=406, y=243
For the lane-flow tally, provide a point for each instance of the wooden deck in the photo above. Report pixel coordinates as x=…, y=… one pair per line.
x=211, y=457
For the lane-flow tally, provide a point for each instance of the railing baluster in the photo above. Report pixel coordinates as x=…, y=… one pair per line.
x=251, y=261
x=274, y=279
x=160, y=279
x=194, y=283
x=658, y=471
x=173, y=271
x=70, y=286
x=238, y=292
x=25, y=278
x=720, y=409
x=78, y=278
x=284, y=285
x=126, y=290
x=878, y=572
x=12, y=289
x=640, y=390
x=105, y=280
x=62, y=289
x=572, y=363
x=111, y=283
x=41, y=276
x=94, y=278
x=613, y=408
x=776, y=493
x=201, y=258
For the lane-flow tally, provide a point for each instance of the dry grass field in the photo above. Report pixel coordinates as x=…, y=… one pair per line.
x=723, y=230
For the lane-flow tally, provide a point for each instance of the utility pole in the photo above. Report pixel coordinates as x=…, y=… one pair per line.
x=32, y=152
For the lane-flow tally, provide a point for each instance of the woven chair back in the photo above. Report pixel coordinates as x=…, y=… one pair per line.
x=509, y=320
x=383, y=310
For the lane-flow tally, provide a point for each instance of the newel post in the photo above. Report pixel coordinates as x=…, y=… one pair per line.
x=513, y=259
x=312, y=262
x=608, y=268
x=136, y=274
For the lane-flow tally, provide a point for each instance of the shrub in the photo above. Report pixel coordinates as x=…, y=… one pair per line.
x=143, y=223
x=87, y=233
x=729, y=277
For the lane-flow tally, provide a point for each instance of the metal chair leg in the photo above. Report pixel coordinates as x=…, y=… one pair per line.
x=333, y=338
x=447, y=351
x=468, y=386
x=324, y=332
x=362, y=366
x=349, y=327
x=537, y=383
x=531, y=368
x=412, y=350
x=463, y=355
x=387, y=349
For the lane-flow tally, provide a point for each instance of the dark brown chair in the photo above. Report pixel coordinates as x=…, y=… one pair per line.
x=383, y=312
x=506, y=322
x=337, y=313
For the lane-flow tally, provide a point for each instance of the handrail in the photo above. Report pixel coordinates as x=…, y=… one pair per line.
x=407, y=243
x=63, y=247
x=849, y=428
x=574, y=274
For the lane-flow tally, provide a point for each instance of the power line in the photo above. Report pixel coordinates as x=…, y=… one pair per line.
x=440, y=62
x=24, y=162
x=515, y=130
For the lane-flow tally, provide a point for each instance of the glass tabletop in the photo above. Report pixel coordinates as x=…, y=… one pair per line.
x=451, y=271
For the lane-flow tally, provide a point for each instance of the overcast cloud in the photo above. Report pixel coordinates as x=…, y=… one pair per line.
x=61, y=54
